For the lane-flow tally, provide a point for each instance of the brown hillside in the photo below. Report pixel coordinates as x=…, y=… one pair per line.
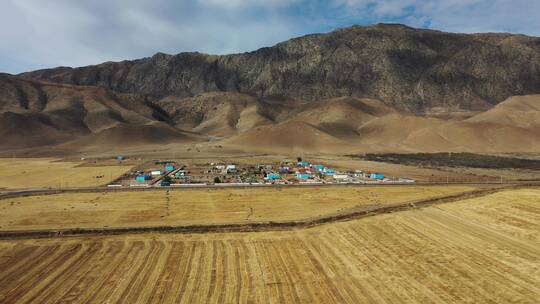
x=287, y=137
x=35, y=114
x=345, y=124
x=517, y=111
x=217, y=113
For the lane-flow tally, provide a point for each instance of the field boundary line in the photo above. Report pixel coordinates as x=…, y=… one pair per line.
x=53, y=191
x=346, y=215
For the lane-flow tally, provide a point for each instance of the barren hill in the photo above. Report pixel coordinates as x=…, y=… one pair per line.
x=350, y=125
x=77, y=118
x=518, y=111
x=35, y=114
x=402, y=66
x=216, y=114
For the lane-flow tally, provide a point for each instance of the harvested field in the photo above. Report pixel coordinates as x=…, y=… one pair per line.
x=200, y=206
x=18, y=173
x=473, y=251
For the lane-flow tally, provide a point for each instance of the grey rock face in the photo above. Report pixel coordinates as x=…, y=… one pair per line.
x=402, y=66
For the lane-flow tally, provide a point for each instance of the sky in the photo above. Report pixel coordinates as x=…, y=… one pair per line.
x=37, y=34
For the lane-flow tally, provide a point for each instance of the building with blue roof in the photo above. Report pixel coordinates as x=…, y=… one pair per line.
x=142, y=178
x=273, y=176
x=302, y=176
x=328, y=171
x=319, y=167
x=376, y=176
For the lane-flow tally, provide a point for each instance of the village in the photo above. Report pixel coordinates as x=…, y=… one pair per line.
x=170, y=173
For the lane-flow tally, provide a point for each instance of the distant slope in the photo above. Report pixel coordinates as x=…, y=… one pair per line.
x=217, y=113
x=401, y=66
x=517, y=111
x=35, y=114
x=288, y=137
x=126, y=135
x=348, y=124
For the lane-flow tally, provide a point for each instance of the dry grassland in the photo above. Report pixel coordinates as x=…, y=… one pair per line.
x=200, y=206
x=418, y=173
x=481, y=250
x=440, y=174
x=48, y=172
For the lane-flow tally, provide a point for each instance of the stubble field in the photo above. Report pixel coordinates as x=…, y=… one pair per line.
x=178, y=207
x=480, y=250
x=19, y=173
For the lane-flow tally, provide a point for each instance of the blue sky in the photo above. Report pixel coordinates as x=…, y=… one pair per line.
x=39, y=34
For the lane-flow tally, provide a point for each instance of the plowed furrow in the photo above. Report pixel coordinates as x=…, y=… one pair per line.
x=89, y=278
x=182, y=276
x=63, y=276
x=139, y=280
x=32, y=271
x=169, y=273
x=324, y=271
x=194, y=276
x=25, y=263
x=111, y=282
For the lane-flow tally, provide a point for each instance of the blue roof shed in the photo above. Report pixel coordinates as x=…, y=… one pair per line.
x=273, y=176
x=376, y=175
x=302, y=176
x=329, y=171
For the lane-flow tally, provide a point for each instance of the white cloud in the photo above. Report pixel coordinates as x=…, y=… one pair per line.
x=40, y=34
x=246, y=3
x=37, y=34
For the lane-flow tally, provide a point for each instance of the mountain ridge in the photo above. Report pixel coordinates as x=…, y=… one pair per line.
x=414, y=69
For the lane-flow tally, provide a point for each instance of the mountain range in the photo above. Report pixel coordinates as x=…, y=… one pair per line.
x=364, y=88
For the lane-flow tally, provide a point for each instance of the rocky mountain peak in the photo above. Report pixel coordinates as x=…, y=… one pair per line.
x=409, y=68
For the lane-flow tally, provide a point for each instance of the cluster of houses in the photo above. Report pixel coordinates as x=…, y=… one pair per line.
x=306, y=172
x=285, y=172
x=154, y=174
x=223, y=169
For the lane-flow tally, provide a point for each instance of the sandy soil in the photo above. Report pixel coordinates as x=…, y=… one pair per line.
x=450, y=253
x=200, y=206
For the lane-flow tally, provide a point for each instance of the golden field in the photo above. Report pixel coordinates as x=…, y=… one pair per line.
x=16, y=173
x=480, y=250
x=178, y=207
